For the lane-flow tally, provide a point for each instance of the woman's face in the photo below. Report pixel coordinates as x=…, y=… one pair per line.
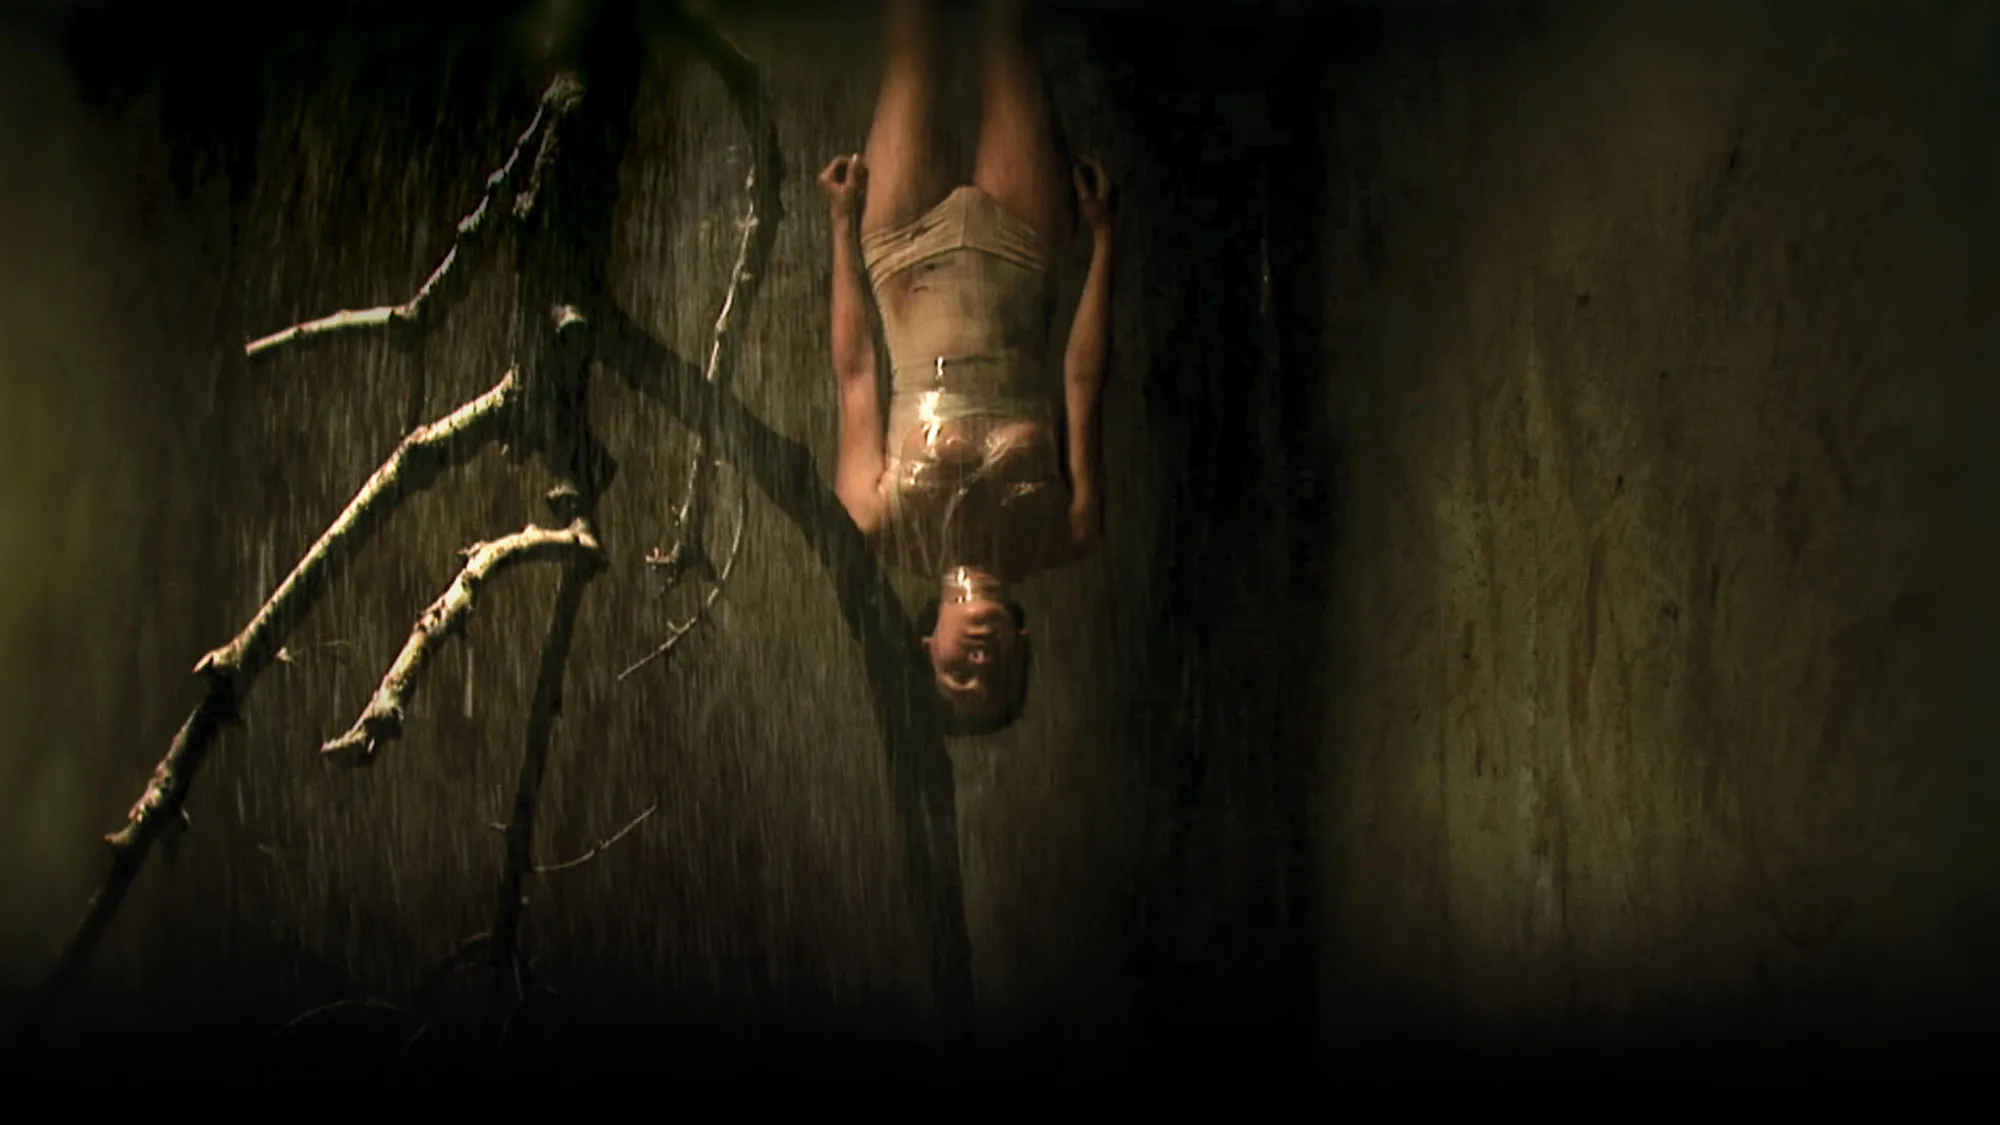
x=978, y=652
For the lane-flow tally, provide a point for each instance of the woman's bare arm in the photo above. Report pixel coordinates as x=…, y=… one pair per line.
x=1085, y=361
x=859, y=472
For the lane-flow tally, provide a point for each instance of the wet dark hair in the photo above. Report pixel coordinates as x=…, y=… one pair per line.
x=959, y=726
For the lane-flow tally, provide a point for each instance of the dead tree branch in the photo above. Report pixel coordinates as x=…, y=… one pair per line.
x=446, y=617
x=561, y=281
x=504, y=946
x=899, y=677
x=464, y=953
x=675, y=633
x=415, y=465
x=600, y=847
x=564, y=316
x=447, y=283
x=763, y=213
x=561, y=270
x=365, y=1004
x=231, y=671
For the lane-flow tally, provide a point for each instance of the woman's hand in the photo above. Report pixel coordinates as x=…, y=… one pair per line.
x=1093, y=193
x=845, y=181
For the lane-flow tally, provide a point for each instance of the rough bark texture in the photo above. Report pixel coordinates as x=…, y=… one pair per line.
x=1633, y=356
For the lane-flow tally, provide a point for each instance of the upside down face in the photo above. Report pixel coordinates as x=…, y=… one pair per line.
x=979, y=652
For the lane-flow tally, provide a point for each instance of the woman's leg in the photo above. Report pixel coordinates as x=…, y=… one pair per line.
x=904, y=180
x=1020, y=161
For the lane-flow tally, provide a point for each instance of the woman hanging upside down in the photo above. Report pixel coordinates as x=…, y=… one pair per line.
x=971, y=481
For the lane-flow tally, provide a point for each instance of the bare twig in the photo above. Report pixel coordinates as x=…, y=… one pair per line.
x=413, y=467
x=563, y=96
x=562, y=272
x=559, y=432
x=759, y=226
x=231, y=671
x=539, y=408
x=599, y=847
x=365, y=1003
x=287, y=655
x=559, y=280
x=344, y=321
x=899, y=678
x=461, y=955
x=505, y=946
x=447, y=283
x=383, y=719
x=676, y=632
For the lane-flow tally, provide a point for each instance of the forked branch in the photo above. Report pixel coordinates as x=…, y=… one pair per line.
x=763, y=213
x=447, y=284
x=230, y=672
x=382, y=720
x=538, y=408
x=899, y=677
x=415, y=465
x=504, y=945
x=678, y=632
x=599, y=848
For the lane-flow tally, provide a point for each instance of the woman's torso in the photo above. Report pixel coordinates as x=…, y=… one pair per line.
x=972, y=465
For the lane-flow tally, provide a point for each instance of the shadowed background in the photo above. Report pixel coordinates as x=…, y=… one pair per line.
x=1545, y=601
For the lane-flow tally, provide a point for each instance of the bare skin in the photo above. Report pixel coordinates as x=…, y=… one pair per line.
x=976, y=649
